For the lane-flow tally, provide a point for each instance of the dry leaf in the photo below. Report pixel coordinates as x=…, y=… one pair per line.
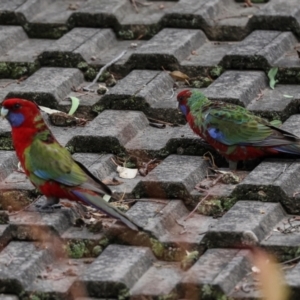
x=113, y=181
x=126, y=172
x=49, y=110
x=177, y=75
x=19, y=168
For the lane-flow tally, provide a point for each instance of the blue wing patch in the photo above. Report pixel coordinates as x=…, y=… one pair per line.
x=216, y=134
x=64, y=179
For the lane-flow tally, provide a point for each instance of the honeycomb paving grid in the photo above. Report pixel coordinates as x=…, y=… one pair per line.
x=51, y=50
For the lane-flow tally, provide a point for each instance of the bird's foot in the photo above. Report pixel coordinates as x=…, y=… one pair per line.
x=48, y=208
x=51, y=205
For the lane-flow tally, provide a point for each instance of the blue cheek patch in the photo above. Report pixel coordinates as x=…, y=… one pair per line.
x=183, y=109
x=216, y=134
x=15, y=119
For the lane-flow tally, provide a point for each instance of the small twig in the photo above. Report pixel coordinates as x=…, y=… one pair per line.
x=114, y=161
x=87, y=88
x=291, y=260
x=197, y=206
x=204, y=232
x=150, y=200
x=160, y=121
x=233, y=16
x=268, y=236
x=183, y=226
x=260, y=95
x=216, y=180
x=248, y=3
x=122, y=197
x=7, y=84
x=295, y=194
x=211, y=158
x=133, y=2
x=11, y=258
x=143, y=3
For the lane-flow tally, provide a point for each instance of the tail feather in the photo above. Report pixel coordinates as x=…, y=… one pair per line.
x=97, y=202
x=291, y=149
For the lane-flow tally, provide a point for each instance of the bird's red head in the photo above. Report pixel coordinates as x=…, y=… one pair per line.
x=182, y=99
x=183, y=96
x=17, y=111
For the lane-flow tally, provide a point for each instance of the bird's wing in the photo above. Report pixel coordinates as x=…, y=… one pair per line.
x=234, y=125
x=51, y=161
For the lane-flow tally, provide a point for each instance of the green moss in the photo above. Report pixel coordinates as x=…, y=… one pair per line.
x=98, y=108
x=104, y=242
x=106, y=75
x=171, y=296
x=95, y=227
x=3, y=218
x=208, y=292
x=189, y=260
x=83, y=66
x=126, y=34
x=216, y=71
x=18, y=71
x=76, y=249
x=45, y=31
x=6, y=143
x=123, y=294
x=157, y=247
x=3, y=66
x=4, y=70
x=97, y=250
x=216, y=206
x=90, y=74
x=34, y=297
x=201, y=81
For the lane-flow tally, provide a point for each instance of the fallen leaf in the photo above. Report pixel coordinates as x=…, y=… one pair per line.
x=112, y=181
x=70, y=272
x=19, y=168
x=126, y=172
x=75, y=104
x=106, y=198
x=177, y=75
x=288, y=96
x=272, y=74
x=49, y=110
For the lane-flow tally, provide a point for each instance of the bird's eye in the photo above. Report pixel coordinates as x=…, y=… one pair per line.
x=17, y=106
x=180, y=98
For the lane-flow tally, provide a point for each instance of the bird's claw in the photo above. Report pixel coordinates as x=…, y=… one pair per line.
x=45, y=208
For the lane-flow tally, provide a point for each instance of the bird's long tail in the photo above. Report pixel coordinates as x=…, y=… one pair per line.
x=98, y=202
x=291, y=148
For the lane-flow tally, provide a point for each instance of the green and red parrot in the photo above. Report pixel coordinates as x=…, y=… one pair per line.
x=233, y=131
x=49, y=166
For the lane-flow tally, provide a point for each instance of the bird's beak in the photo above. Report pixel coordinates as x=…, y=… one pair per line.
x=4, y=112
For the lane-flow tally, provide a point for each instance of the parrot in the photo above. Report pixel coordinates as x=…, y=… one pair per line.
x=50, y=166
x=232, y=130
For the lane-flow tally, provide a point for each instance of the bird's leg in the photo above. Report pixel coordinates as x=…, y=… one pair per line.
x=51, y=203
x=232, y=165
